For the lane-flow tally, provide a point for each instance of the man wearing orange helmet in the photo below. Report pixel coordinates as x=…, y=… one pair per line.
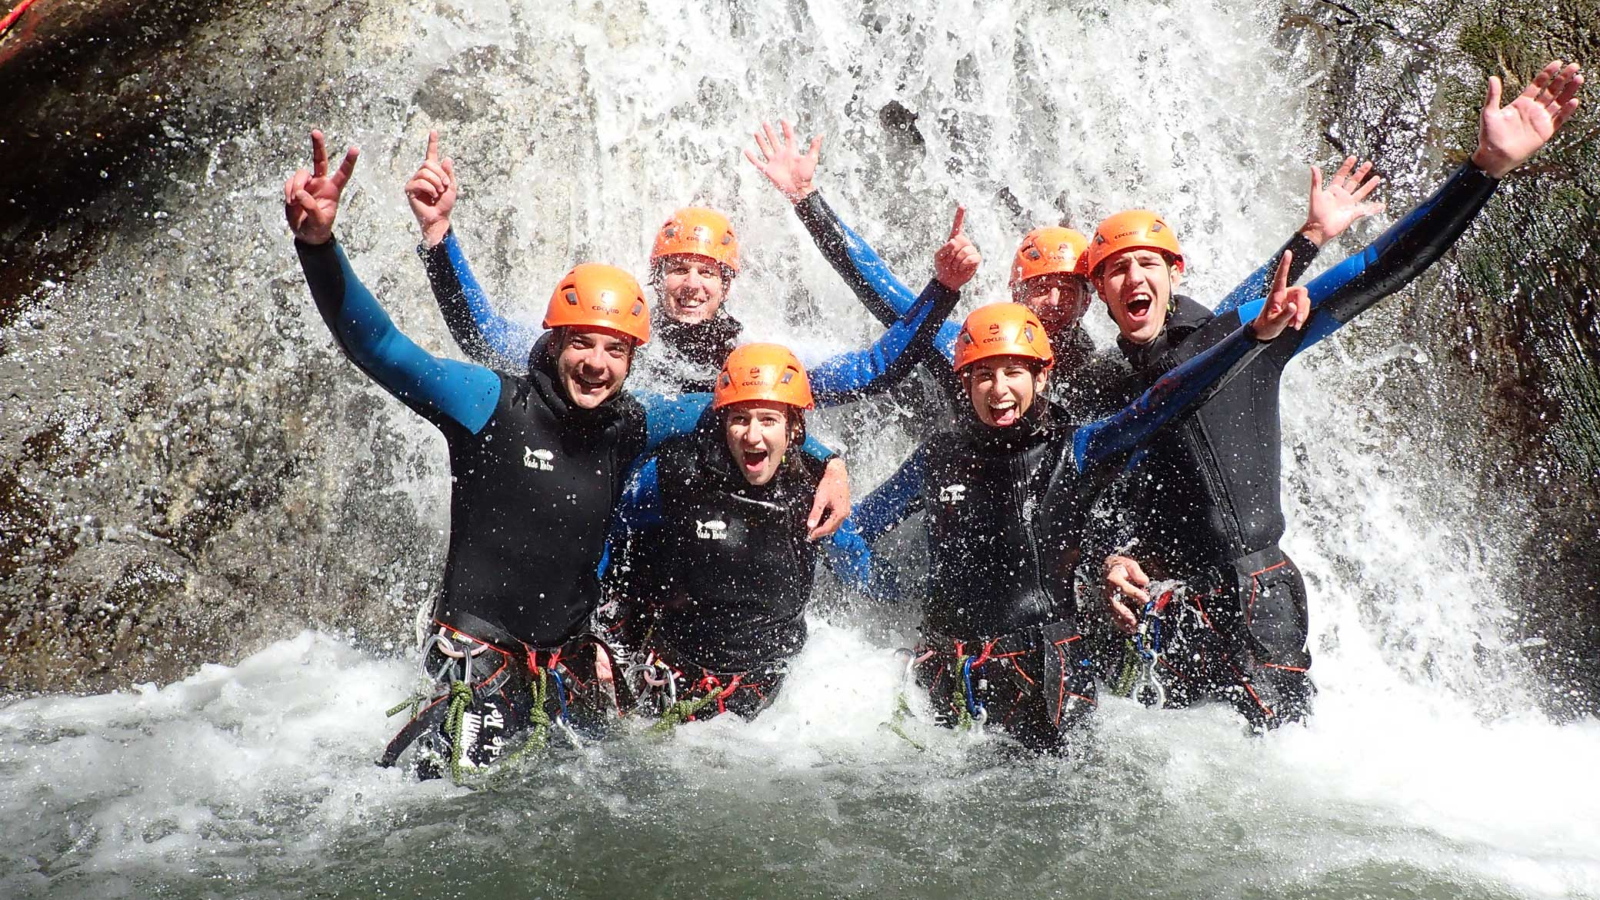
x=1047, y=273
x=538, y=458
x=1006, y=496
x=717, y=566
x=1207, y=496
x=693, y=262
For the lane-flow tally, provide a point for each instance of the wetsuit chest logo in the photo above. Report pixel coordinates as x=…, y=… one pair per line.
x=714, y=530
x=543, y=460
x=953, y=493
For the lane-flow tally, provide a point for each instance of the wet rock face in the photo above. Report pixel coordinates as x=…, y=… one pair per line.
x=170, y=491
x=1507, y=322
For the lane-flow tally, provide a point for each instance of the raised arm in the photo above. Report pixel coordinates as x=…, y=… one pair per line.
x=444, y=391
x=1507, y=138
x=850, y=376
x=792, y=172
x=1109, y=440
x=1333, y=208
x=481, y=333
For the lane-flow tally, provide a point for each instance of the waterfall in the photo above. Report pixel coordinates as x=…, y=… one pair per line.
x=200, y=476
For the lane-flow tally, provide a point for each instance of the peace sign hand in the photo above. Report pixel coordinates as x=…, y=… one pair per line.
x=1508, y=137
x=432, y=193
x=1286, y=307
x=789, y=170
x=311, y=197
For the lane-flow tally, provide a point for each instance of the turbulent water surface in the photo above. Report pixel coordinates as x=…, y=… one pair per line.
x=1427, y=771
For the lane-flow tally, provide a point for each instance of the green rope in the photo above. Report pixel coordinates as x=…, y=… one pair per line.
x=414, y=702
x=683, y=711
x=538, y=719
x=460, y=699
x=964, y=713
x=897, y=721
x=1131, y=662
x=537, y=716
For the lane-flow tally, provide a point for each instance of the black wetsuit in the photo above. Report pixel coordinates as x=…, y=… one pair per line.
x=1206, y=496
x=728, y=571
x=1006, y=511
x=534, y=479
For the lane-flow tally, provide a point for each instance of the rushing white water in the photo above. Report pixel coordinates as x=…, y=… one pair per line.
x=1425, y=772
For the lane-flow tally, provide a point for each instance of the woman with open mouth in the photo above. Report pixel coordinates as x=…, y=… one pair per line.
x=1006, y=494
x=724, y=585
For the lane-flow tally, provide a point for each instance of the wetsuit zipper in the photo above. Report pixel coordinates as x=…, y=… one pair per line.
x=1021, y=478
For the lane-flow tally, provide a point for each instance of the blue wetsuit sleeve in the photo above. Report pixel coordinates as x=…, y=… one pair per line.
x=857, y=567
x=868, y=276
x=1258, y=283
x=850, y=376
x=849, y=556
x=894, y=501
x=669, y=417
x=439, y=389
x=481, y=333
x=1174, y=394
x=1400, y=254
x=850, y=553
x=640, y=504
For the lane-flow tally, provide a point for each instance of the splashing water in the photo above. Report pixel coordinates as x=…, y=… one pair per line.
x=1425, y=772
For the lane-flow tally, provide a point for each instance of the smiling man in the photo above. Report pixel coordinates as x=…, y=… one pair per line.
x=538, y=458
x=1206, y=499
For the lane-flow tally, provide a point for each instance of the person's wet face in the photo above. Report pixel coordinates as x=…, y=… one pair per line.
x=591, y=364
x=758, y=434
x=1059, y=299
x=692, y=287
x=1004, y=388
x=1137, y=288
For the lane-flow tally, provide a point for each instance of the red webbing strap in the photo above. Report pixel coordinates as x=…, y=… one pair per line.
x=14, y=15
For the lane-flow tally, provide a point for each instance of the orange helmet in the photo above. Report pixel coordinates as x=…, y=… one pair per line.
x=1048, y=250
x=762, y=372
x=1129, y=230
x=600, y=296
x=1002, y=329
x=695, y=229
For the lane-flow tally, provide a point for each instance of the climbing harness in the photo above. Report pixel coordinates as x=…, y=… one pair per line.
x=448, y=705
x=1147, y=647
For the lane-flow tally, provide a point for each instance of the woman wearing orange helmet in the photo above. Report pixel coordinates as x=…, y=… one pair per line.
x=1206, y=499
x=1006, y=495
x=538, y=457
x=723, y=587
